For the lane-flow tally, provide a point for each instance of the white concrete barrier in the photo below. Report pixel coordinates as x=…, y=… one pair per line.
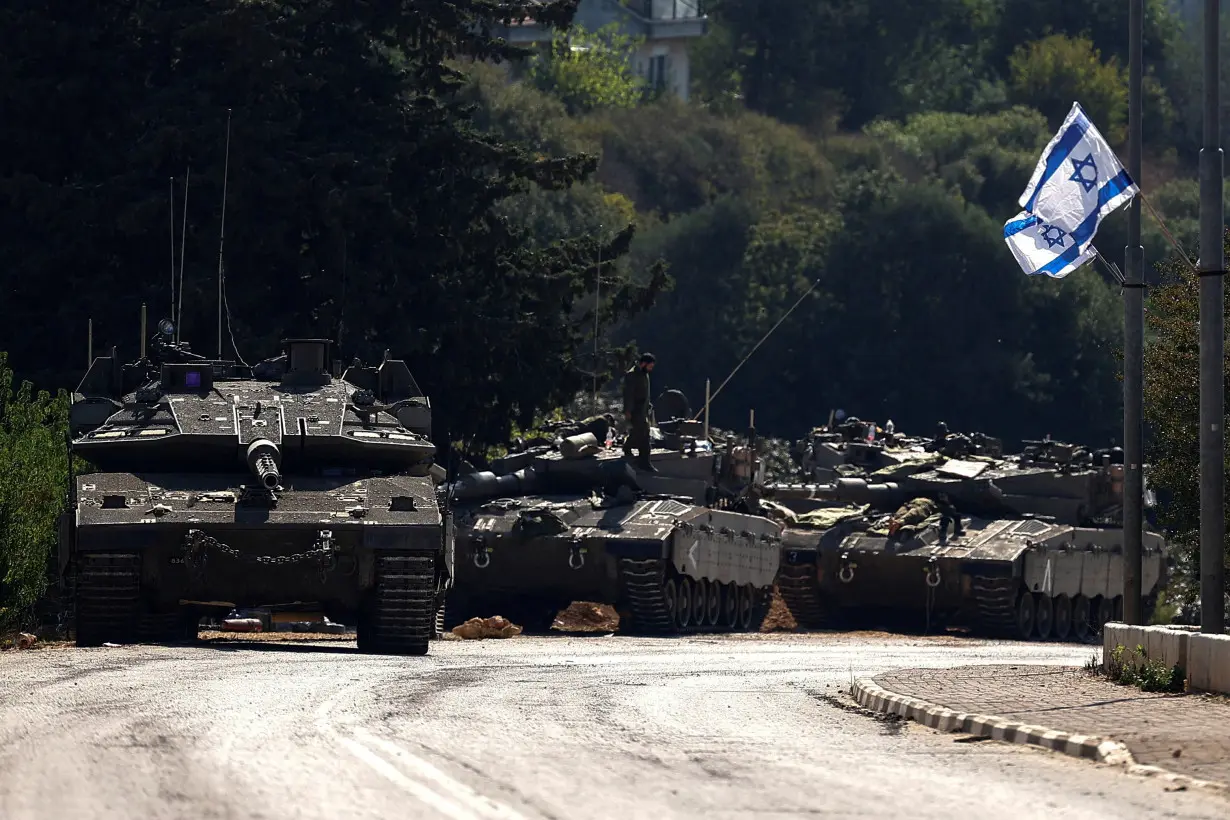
x=1170, y=646
x=1210, y=663
x=1205, y=658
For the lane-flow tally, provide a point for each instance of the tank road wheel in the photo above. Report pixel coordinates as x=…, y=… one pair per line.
x=700, y=601
x=1080, y=618
x=401, y=611
x=1063, y=617
x=670, y=596
x=730, y=606
x=108, y=598
x=1025, y=615
x=1044, y=616
x=746, y=605
x=1103, y=610
x=683, y=605
x=714, y=609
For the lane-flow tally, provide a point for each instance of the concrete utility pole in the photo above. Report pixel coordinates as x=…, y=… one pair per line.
x=1212, y=341
x=1133, y=340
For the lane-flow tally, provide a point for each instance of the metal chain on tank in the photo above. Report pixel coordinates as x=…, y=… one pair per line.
x=196, y=542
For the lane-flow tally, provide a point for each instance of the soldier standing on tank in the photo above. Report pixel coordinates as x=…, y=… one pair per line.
x=636, y=411
x=948, y=513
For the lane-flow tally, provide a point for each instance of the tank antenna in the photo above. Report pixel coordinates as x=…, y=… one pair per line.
x=142, y=330
x=743, y=361
x=177, y=313
x=226, y=167
x=172, y=252
x=597, y=308
x=89, y=344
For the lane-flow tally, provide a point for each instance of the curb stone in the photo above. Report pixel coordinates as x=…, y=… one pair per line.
x=870, y=695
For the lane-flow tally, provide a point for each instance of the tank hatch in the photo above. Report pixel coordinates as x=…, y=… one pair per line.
x=307, y=362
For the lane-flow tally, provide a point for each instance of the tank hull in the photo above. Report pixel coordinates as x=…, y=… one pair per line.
x=1022, y=579
x=643, y=557
x=153, y=552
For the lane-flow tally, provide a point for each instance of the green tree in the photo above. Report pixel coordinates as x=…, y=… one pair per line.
x=671, y=158
x=589, y=70
x=1172, y=412
x=853, y=60
x=986, y=158
x=362, y=198
x=1049, y=74
x=33, y=484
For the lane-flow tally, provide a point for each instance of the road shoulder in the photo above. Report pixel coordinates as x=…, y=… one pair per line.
x=1067, y=710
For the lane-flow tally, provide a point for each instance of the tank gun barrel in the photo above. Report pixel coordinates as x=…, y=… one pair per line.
x=847, y=490
x=891, y=494
x=264, y=460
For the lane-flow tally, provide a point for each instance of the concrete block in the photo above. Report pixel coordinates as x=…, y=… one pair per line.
x=1174, y=647
x=1161, y=643
x=1153, y=640
x=1209, y=663
x=1113, y=634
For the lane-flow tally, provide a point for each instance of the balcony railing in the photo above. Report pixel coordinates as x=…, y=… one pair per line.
x=667, y=9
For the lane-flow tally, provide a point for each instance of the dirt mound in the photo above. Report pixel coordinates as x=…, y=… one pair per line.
x=480, y=628
x=586, y=616
x=779, y=618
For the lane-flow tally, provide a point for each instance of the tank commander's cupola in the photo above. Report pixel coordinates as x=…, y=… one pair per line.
x=307, y=362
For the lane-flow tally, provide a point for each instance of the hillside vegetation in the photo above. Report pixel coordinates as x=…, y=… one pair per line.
x=400, y=180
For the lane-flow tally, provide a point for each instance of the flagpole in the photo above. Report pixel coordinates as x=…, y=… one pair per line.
x=1212, y=342
x=1133, y=340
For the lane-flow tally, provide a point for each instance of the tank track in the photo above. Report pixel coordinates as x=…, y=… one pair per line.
x=800, y=591
x=401, y=618
x=108, y=598
x=642, y=583
x=996, y=602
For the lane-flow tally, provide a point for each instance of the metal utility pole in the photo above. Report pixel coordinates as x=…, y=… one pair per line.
x=1212, y=341
x=1133, y=340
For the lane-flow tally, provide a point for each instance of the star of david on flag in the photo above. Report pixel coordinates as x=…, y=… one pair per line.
x=1078, y=181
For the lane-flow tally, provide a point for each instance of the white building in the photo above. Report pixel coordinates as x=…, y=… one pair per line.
x=665, y=25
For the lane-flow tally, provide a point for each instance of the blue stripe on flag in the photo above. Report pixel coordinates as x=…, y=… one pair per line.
x=1016, y=226
x=1075, y=133
x=1111, y=189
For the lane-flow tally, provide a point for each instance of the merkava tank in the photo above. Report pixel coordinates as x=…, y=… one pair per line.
x=573, y=521
x=1039, y=552
x=285, y=485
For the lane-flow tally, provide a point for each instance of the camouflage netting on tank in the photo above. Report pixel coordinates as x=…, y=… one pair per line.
x=911, y=463
x=910, y=518
x=821, y=519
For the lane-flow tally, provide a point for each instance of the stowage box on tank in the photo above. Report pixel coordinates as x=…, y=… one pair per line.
x=1039, y=554
x=216, y=486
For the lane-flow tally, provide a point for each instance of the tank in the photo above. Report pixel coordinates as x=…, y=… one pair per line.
x=573, y=521
x=1040, y=554
x=287, y=485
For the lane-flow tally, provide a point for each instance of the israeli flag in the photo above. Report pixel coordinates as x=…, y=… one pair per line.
x=1042, y=248
x=1077, y=183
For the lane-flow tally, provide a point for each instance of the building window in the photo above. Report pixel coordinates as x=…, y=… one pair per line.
x=657, y=72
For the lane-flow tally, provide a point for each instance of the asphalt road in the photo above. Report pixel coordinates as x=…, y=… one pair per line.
x=604, y=727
